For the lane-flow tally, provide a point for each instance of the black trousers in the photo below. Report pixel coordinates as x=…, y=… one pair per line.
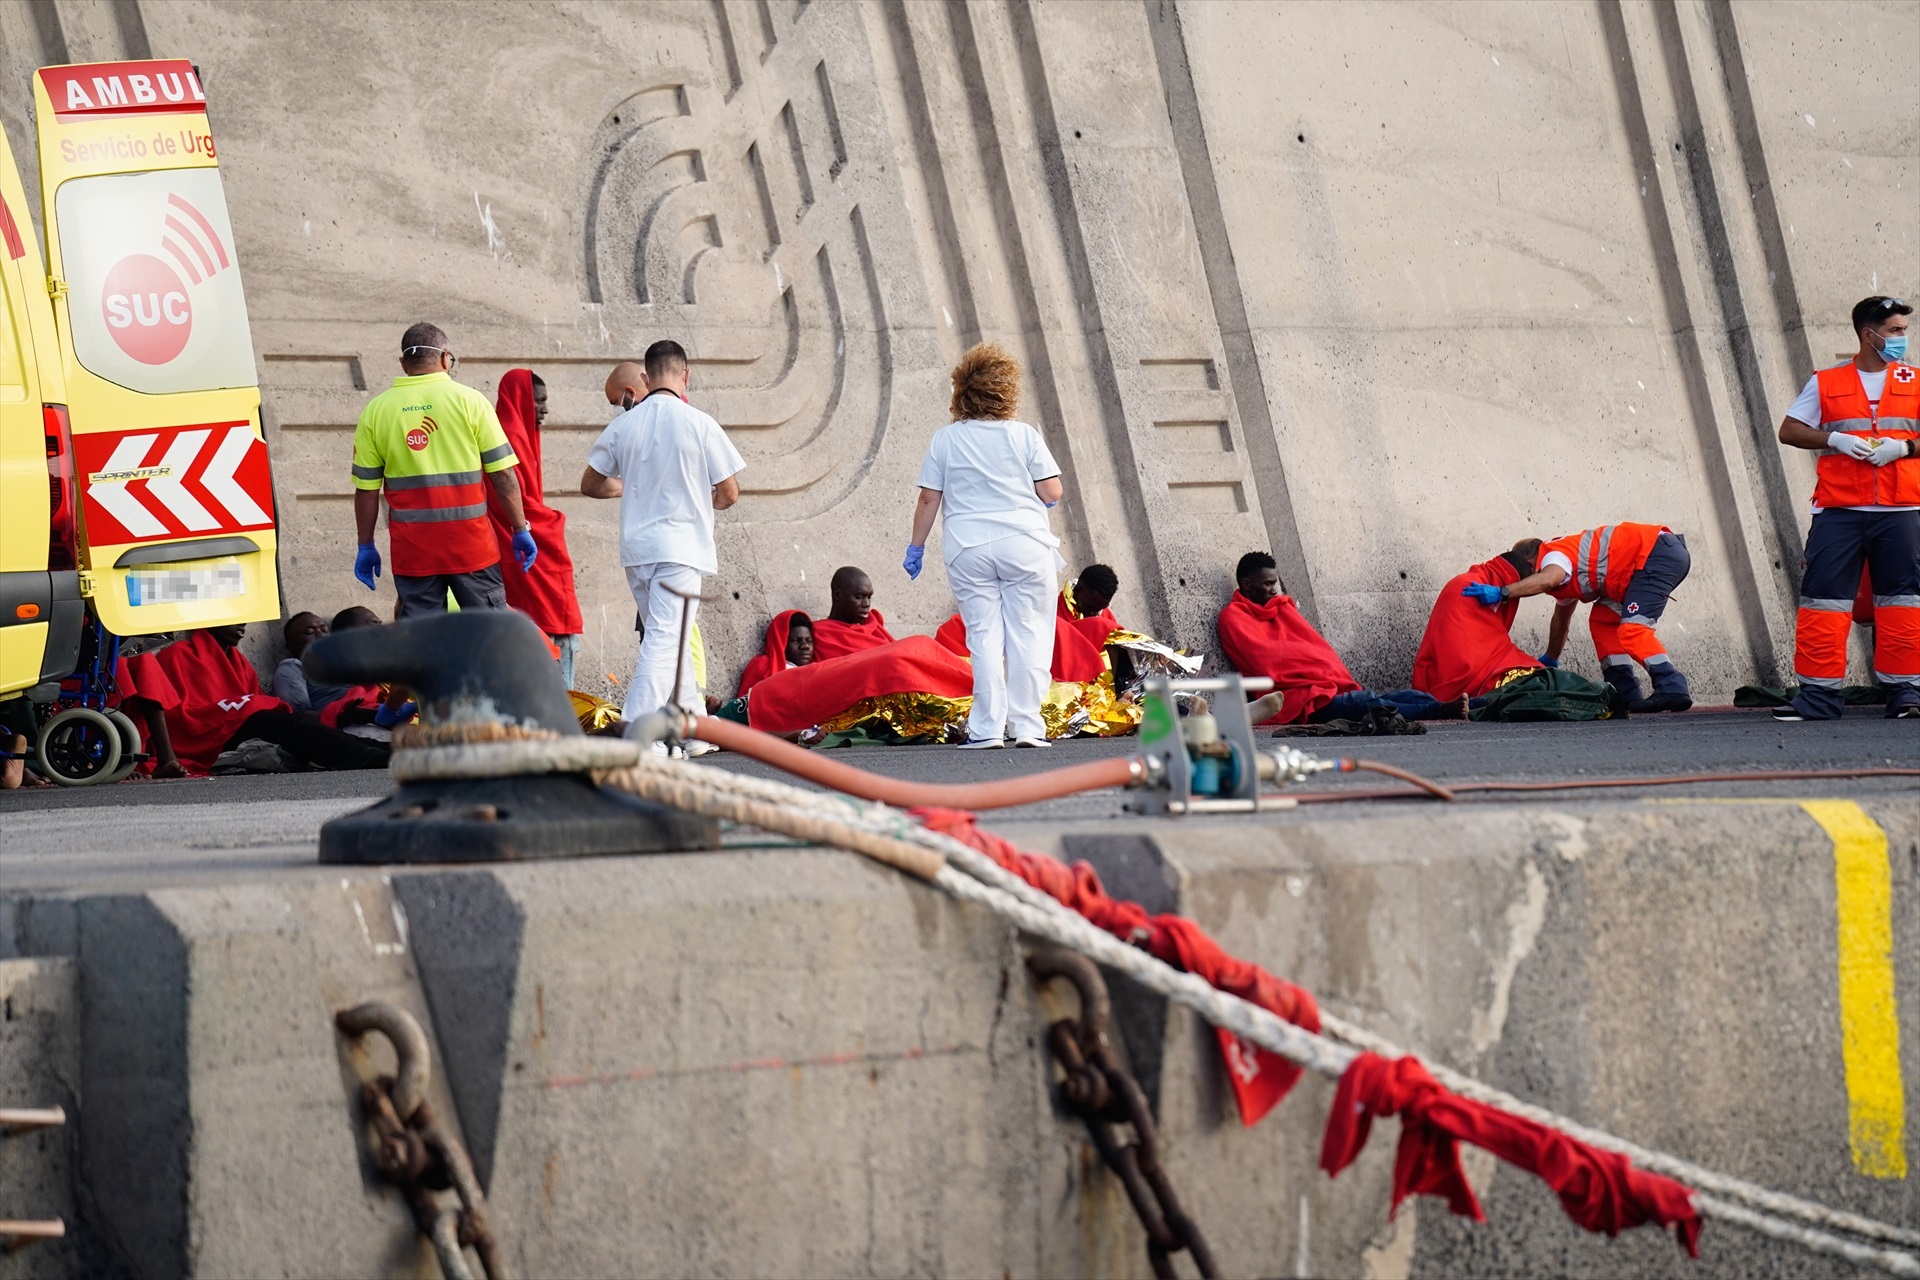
x=314, y=743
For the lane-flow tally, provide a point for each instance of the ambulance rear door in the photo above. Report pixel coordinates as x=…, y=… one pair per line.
x=177, y=496
x=41, y=614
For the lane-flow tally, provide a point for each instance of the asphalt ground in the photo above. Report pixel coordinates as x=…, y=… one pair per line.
x=195, y=830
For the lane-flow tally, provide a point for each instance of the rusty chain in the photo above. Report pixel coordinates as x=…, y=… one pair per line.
x=1107, y=1097
x=415, y=1154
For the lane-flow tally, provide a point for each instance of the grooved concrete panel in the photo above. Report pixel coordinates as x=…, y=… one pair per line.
x=1380, y=286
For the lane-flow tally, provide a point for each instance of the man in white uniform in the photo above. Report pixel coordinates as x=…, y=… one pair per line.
x=672, y=467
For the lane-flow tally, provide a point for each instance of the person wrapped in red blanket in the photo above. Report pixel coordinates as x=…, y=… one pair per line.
x=1083, y=619
x=1262, y=633
x=200, y=696
x=1466, y=651
x=801, y=697
x=853, y=624
x=545, y=592
x=789, y=643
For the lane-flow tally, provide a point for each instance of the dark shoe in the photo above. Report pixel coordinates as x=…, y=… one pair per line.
x=1623, y=681
x=983, y=744
x=1904, y=704
x=1788, y=714
x=1670, y=691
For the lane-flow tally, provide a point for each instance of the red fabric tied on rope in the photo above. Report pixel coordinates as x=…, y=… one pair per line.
x=832, y=639
x=1260, y=1079
x=801, y=697
x=1467, y=646
x=1275, y=641
x=544, y=593
x=1600, y=1190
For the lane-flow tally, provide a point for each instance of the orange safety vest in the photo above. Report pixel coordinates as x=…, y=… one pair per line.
x=1604, y=559
x=1849, y=482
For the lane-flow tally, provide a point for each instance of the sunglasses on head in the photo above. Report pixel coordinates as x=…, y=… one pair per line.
x=453, y=361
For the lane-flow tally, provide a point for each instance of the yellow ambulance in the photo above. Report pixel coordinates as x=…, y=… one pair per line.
x=157, y=464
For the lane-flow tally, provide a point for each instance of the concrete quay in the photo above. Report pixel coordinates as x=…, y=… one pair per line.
x=784, y=1060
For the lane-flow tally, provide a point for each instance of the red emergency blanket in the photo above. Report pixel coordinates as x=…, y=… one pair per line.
x=359, y=697
x=1466, y=647
x=801, y=697
x=1275, y=641
x=1598, y=1189
x=205, y=691
x=545, y=593
x=838, y=639
x=773, y=654
x=1260, y=1079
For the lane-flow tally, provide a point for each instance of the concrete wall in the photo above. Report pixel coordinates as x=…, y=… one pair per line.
x=791, y=1062
x=1382, y=287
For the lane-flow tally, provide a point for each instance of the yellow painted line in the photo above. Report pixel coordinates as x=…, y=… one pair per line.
x=1869, y=1021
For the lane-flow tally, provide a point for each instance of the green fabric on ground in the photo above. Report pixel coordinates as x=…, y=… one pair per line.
x=1761, y=695
x=1547, y=694
x=734, y=709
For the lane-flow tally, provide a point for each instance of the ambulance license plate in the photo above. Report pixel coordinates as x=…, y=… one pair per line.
x=186, y=586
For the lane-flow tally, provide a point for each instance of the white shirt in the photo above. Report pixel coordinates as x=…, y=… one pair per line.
x=985, y=472
x=668, y=456
x=1806, y=408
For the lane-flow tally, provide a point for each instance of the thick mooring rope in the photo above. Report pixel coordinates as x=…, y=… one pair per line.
x=893, y=837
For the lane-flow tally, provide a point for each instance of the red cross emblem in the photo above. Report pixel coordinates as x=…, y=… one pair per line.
x=1901, y=373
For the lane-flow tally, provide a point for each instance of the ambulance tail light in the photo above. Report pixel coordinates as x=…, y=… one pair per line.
x=63, y=497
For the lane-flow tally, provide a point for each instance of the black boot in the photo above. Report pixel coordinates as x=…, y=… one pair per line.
x=1625, y=681
x=1670, y=692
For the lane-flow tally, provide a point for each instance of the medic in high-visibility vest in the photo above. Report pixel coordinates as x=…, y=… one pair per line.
x=1864, y=418
x=1626, y=572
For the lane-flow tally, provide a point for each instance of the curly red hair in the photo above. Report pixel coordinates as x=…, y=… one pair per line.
x=986, y=384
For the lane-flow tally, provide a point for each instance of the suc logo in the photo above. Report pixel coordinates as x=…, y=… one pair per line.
x=147, y=309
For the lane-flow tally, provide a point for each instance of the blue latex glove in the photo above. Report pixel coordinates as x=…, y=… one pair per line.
x=366, y=565
x=523, y=549
x=1053, y=504
x=916, y=556
x=387, y=717
x=1485, y=592
x=1548, y=660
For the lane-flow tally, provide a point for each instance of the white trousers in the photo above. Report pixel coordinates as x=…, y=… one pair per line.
x=1006, y=589
x=660, y=649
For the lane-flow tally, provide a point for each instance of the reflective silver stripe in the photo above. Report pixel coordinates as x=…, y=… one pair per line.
x=430, y=482
x=1651, y=624
x=368, y=473
x=1822, y=682
x=1852, y=426
x=1900, y=424
x=1826, y=606
x=1616, y=660
x=1896, y=602
x=437, y=515
x=1887, y=677
x=1659, y=660
x=1580, y=582
x=496, y=453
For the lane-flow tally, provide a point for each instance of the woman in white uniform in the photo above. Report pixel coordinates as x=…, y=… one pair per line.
x=991, y=479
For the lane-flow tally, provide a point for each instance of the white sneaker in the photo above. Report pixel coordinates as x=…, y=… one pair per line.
x=1031, y=742
x=983, y=744
x=696, y=747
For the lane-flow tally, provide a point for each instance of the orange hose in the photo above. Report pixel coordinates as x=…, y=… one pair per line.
x=1348, y=764
x=900, y=793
